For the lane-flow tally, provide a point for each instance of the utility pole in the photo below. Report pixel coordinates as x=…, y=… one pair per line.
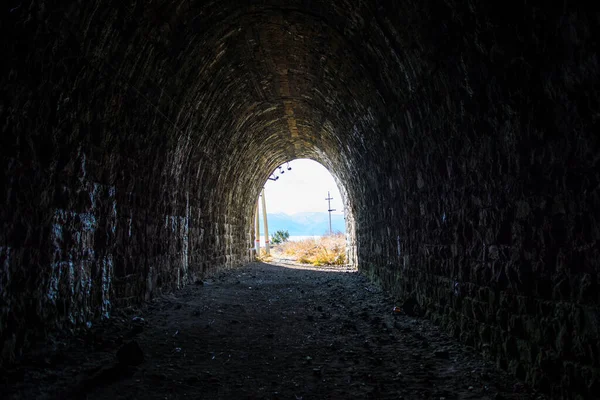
x=257, y=231
x=264, y=205
x=329, y=198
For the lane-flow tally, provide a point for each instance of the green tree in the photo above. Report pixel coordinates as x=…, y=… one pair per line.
x=280, y=237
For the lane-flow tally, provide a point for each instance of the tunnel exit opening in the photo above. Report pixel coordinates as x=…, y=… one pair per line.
x=307, y=218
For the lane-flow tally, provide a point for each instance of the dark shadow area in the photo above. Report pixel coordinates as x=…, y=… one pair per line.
x=265, y=331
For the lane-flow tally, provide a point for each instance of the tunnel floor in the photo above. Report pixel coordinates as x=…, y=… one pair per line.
x=265, y=331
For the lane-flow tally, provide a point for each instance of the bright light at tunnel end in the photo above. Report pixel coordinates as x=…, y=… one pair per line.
x=303, y=188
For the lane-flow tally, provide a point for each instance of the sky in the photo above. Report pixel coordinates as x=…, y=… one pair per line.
x=304, y=188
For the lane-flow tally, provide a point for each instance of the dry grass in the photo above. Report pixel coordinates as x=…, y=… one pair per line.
x=263, y=256
x=327, y=250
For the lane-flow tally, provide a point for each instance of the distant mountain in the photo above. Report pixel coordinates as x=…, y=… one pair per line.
x=306, y=223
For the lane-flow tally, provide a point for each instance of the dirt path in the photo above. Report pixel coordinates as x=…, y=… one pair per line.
x=265, y=331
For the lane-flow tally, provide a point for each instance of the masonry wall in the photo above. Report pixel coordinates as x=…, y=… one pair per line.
x=99, y=208
x=492, y=218
x=135, y=138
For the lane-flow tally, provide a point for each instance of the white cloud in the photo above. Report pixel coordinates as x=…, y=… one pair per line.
x=304, y=188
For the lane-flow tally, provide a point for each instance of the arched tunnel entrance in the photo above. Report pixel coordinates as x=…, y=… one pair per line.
x=301, y=203
x=135, y=138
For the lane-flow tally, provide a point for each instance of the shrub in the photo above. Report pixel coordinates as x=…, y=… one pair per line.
x=280, y=237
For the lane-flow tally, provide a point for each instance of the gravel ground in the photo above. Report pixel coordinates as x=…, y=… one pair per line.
x=265, y=331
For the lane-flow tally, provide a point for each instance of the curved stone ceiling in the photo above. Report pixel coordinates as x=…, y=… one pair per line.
x=257, y=84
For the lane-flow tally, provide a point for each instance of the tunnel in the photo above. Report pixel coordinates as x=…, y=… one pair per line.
x=136, y=137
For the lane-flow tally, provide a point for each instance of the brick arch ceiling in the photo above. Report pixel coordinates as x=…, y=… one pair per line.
x=279, y=83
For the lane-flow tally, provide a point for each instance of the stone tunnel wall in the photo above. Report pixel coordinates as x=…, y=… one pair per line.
x=135, y=137
x=495, y=226
x=100, y=207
